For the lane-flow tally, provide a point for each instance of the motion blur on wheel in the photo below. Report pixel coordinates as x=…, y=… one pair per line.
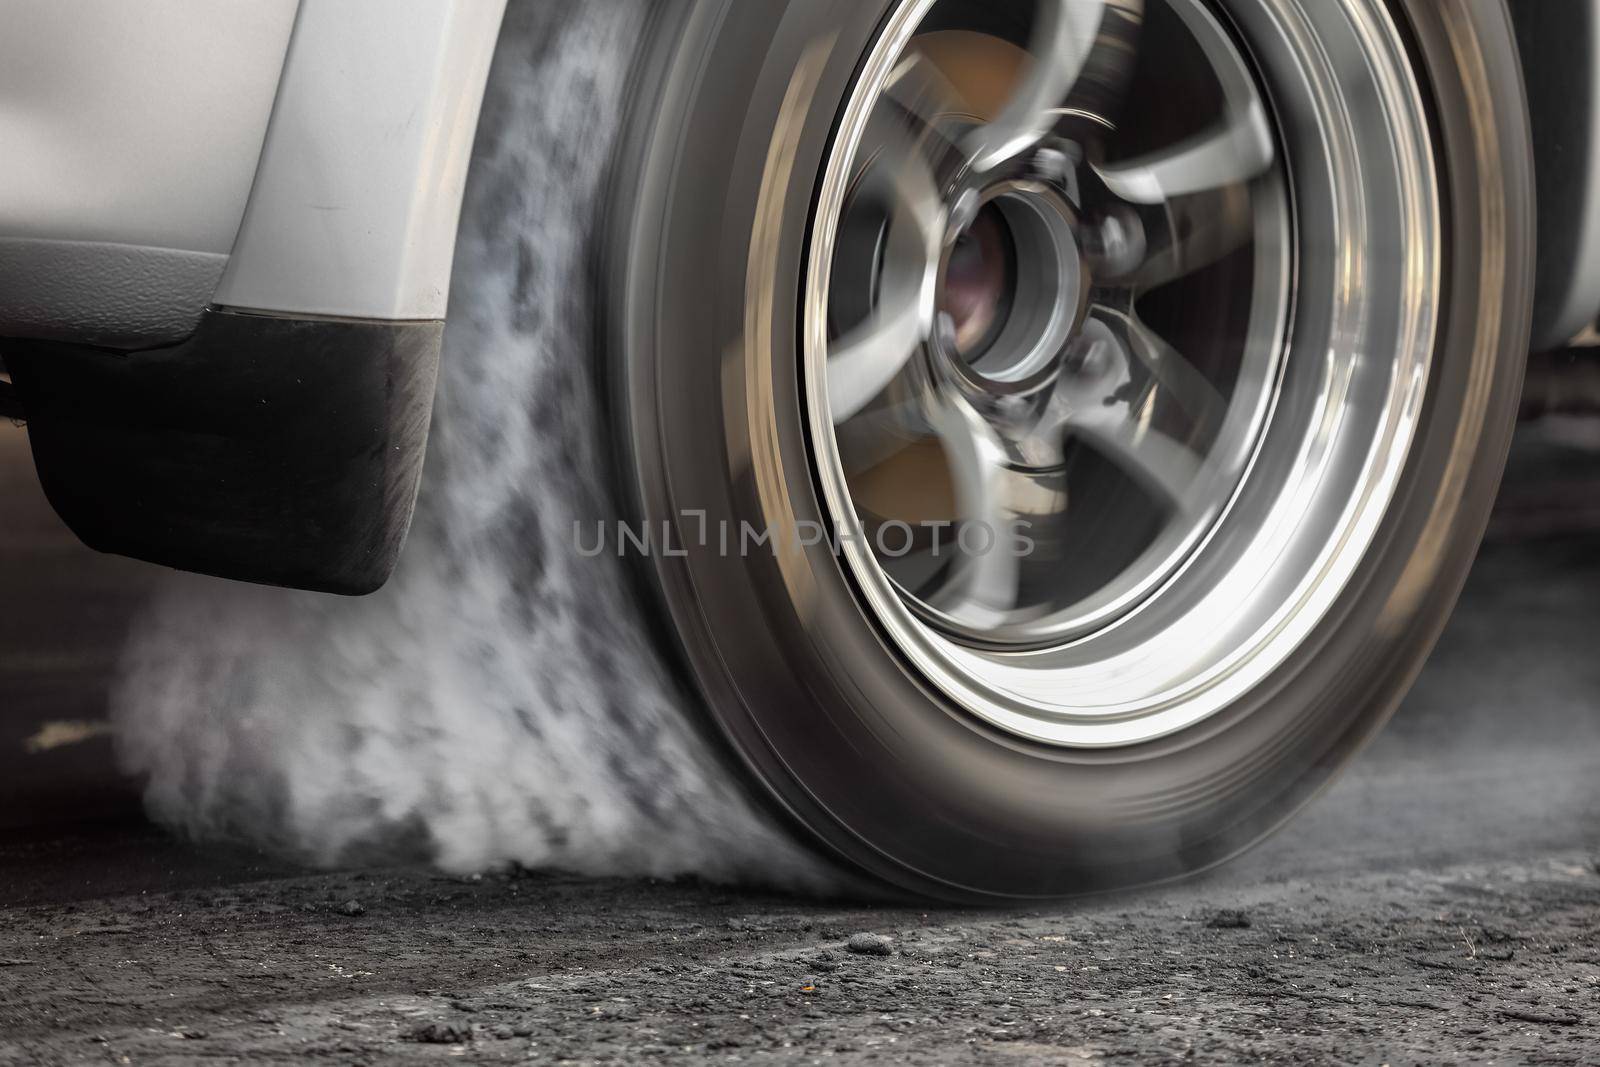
x=1123, y=386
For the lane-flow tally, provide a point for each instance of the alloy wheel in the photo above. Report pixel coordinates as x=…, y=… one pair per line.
x=1049, y=319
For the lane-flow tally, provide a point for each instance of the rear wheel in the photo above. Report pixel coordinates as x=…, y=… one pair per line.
x=1122, y=385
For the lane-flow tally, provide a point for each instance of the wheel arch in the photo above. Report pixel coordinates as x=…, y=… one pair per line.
x=1560, y=45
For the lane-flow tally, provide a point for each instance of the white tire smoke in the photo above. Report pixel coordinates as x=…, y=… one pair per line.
x=500, y=701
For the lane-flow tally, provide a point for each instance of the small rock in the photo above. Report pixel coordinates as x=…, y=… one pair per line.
x=440, y=1034
x=1228, y=919
x=352, y=908
x=870, y=945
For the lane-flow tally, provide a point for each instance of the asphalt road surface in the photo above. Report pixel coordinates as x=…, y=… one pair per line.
x=1441, y=903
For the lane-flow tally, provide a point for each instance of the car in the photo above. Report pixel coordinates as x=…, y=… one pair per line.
x=1050, y=435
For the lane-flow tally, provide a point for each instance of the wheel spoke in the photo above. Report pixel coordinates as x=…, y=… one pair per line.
x=863, y=361
x=919, y=124
x=986, y=585
x=1165, y=467
x=1096, y=409
x=1176, y=376
x=904, y=173
x=1200, y=230
x=1238, y=149
x=1072, y=40
x=920, y=88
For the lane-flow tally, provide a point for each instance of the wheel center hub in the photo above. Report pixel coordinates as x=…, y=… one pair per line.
x=1011, y=290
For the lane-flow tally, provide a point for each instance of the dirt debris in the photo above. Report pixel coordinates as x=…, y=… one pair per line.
x=561, y=968
x=1542, y=1017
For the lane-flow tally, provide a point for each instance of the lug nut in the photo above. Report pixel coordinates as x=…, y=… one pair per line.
x=1051, y=165
x=1119, y=242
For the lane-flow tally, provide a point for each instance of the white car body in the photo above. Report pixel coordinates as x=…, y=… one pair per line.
x=297, y=157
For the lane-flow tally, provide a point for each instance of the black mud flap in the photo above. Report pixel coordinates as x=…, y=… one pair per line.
x=273, y=450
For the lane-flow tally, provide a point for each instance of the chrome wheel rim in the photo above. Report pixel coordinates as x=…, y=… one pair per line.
x=1075, y=528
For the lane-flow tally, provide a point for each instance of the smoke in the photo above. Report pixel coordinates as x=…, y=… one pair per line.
x=500, y=700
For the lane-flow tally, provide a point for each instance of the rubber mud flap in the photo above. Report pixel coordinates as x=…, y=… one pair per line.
x=272, y=450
